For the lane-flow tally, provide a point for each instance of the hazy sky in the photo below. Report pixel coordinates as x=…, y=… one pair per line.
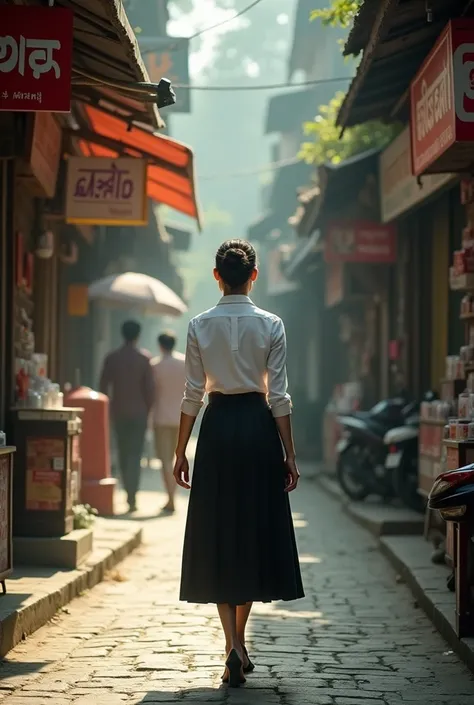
x=204, y=14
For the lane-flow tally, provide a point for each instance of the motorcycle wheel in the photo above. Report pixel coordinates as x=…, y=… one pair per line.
x=350, y=475
x=405, y=484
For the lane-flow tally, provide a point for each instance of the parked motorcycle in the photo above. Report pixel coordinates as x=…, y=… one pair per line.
x=361, y=451
x=402, y=458
x=401, y=461
x=453, y=496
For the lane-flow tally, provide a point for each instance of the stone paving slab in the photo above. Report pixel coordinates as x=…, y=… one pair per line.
x=35, y=594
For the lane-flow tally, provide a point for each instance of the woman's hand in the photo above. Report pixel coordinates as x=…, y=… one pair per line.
x=292, y=476
x=181, y=472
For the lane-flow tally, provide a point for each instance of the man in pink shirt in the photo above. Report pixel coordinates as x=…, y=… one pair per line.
x=170, y=377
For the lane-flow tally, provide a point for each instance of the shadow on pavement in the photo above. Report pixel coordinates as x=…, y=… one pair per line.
x=15, y=669
x=187, y=695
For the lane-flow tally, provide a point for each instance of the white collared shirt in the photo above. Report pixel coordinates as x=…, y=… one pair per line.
x=235, y=348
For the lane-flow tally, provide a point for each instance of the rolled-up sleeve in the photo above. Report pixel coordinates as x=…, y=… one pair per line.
x=278, y=397
x=195, y=386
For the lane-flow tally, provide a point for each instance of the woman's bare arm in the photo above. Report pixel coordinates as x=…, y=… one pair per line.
x=186, y=425
x=286, y=434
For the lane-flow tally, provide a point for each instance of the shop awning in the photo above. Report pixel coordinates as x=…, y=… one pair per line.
x=304, y=255
x=170, y=170
x=335, y=180
x=386, y=31
x=106, y=49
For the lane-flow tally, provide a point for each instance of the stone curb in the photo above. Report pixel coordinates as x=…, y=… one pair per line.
x=440, y=616
x=111, y=547
x=378, y=519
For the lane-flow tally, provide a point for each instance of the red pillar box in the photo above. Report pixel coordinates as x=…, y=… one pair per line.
x=98, y=485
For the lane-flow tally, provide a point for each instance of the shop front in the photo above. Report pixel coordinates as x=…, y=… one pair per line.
x=92, y=79
x=355, y=354
x=431, y=92
x=346, y=264
x=428, y=214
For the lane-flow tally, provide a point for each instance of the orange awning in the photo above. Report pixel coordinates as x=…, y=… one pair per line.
x=170, y=163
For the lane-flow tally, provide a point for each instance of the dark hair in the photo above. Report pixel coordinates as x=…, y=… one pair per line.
x=235, y=262
x=167, y=341
x=131, y=331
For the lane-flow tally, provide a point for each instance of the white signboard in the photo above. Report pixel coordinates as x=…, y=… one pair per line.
x=399, y=189
x=104, y=191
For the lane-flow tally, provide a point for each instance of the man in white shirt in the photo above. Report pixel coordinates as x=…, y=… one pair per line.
x=170, y=378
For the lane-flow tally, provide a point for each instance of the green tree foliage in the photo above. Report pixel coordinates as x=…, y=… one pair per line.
x=327, y=145
x=340, y=13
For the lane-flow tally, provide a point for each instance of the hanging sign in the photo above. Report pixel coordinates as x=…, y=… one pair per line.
x=361, y=242
x=35, y=58
x=442, y=103
x=104, y=191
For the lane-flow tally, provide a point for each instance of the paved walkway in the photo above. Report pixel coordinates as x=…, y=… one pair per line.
x=357, y=638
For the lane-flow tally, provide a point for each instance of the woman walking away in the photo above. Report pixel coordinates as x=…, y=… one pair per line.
x=239, y=545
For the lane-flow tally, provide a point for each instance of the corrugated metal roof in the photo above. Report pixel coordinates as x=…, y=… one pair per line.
x=395, y=41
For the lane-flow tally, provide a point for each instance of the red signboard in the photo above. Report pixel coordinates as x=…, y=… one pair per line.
x=35, y=58
x=432, y=105
x=357, y=241
x=462, y=32
x=442, y=100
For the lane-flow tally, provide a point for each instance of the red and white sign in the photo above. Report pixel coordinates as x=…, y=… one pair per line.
x=432, y=105
x=362, y=242
x=35, y=58
x=442, y=99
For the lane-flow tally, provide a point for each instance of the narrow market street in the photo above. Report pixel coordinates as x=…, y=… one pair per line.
x=357, y=637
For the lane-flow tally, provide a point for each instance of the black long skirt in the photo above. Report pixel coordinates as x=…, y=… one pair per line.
x=240, y=542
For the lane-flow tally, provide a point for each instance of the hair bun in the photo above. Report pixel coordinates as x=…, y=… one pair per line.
x=236, y=256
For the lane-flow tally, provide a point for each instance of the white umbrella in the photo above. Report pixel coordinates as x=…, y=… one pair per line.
x=138, y=291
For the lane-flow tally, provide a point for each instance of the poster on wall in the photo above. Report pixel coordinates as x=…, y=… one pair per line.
x=35, y=58
x=105, y=191
x=44, y=473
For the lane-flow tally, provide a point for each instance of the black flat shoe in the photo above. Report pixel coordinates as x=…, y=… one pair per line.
x=234, y=670
x=250, y=666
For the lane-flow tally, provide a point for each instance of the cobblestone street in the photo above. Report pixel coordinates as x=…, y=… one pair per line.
x=357, y=637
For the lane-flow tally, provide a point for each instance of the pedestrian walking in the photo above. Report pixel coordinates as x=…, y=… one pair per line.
x=169, y=374
x=127, y=377
x=239, y=544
